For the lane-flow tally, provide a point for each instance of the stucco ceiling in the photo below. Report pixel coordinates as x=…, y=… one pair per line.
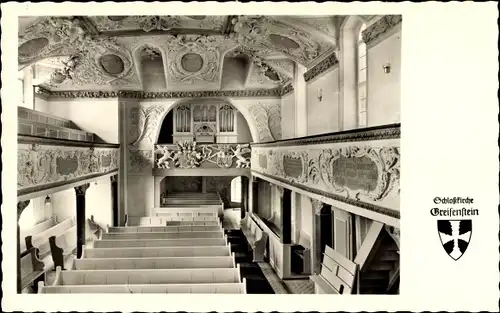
x=172, y=53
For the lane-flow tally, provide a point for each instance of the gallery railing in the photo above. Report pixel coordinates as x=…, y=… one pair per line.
x=359, y=167
x=192, y=155
x=45, y=163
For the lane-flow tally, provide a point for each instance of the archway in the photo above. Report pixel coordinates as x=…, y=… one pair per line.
x=243, y=110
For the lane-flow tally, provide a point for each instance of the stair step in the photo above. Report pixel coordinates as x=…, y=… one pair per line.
x=389, y=256
x=382, y=266
x=375, y=275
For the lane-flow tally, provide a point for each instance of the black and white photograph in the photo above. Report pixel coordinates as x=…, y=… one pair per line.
x=223, y=154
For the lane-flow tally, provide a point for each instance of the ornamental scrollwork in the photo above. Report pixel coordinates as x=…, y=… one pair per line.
x=144, y=122
x=380, y=27
x=386, y=160
x=188, y=154
x=39, y=164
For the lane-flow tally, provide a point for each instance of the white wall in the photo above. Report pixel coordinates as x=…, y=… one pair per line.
x=35, y=213
x=306, y=220
x=64, y=204
x=323, y=116
x=384, y=90
x=288, y=116
x=243, y=130
x=98, y=202
x=98, y=116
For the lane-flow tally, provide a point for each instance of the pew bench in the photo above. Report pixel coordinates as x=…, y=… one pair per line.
x=147, y=276
x=172, y=235
x=164, y=219
x=151, y=252
x=32, y=269
x=155, y=263
x=222, y=288
x=131, y=243
x=257, y=239
x=163, y=229
x=63, y=246
x=42, y=242
x=337, y=274
x=35, y=230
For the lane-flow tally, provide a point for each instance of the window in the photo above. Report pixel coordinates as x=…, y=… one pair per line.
x=236, y=190
x=362, y=117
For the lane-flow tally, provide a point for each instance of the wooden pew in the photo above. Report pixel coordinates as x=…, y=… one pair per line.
x=223, y=288
x=41, y=241
x=257, y=239
x=177, y=235
x=35, y=230
x=193, y=251
x=148, y=276
x=163, y=229
x=176, y=220
x=337, y=275
x=63, y=246
x=160, y=242
x=155, y=263
x=31, y=268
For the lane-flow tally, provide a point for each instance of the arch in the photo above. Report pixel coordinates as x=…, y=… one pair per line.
x=236, y=195
x=241, y=108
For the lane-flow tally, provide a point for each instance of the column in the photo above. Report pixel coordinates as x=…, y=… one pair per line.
x=255, y=194
x=316, y=240
x=244, y=195
x=80, y=192
x=114, y=198
x=286, y=214
x=20, y=208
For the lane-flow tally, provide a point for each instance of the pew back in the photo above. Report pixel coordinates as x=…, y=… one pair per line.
x=171, y=235
x=41, y=240
x=35, y=230
x=148, y=276
x=155, y=263
x=225, y=288
x=163, y=229
x=157, y=252
x=160, y=242
x=163, y=220
x=337, y=274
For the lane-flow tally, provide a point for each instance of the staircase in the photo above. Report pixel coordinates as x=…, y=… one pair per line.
x=381, y=274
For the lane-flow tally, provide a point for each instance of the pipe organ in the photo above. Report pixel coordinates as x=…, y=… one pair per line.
x=205, y=123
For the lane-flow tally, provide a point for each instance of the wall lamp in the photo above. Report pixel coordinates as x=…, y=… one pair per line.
x=48, y=200
x=320, y=94
x=387, y=68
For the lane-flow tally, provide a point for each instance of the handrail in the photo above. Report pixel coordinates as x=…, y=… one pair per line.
x=29, y=139
x=359, y=134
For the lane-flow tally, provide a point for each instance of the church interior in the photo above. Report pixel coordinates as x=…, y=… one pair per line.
x=229, y=154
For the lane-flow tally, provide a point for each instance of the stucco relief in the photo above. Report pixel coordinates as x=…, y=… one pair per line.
x=359, y=172
x=144, y=122
x=257, y=32
x=140, y=161
x=190, y=155
x=195, y=58
x=52, y=36
x=268, y=120
x=380, y=27
x=43, y=164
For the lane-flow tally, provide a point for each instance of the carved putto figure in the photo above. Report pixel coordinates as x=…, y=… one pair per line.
x=241, y=161
x=162, y=162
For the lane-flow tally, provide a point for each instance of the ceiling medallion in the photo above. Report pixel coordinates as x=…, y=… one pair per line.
x=32, y=47
x=112, y=64
x=283, y=41
x=192, y=62
x=197, y=17
x=116, y=18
